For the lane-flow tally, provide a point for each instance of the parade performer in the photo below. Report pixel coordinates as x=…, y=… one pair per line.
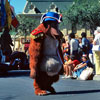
x=46, y=58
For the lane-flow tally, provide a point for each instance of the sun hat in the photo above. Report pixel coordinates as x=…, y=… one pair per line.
x=85, y=56
x=98, y=29
x=51, y=16
x=95, y=32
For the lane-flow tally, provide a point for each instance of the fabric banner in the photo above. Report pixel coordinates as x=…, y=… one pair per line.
x=3, y=14
x=14, y=22
x=8, y=12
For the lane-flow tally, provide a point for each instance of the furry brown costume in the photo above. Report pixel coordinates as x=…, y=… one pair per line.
x=42, y=81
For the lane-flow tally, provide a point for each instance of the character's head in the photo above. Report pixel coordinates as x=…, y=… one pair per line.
x=51, y=21
x=51, y=16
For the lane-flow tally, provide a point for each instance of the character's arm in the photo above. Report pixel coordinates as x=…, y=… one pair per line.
x=34, y=51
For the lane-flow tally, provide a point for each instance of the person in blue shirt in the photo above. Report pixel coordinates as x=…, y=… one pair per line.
x=85, y=43
x=83, y=65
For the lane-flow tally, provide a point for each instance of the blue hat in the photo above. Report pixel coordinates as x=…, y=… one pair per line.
x=51, y=16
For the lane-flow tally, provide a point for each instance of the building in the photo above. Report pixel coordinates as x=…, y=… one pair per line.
x=36, y=8
x=42, y=6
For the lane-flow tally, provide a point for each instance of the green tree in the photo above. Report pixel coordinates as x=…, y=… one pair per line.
x=26, y=24
x=84, y=13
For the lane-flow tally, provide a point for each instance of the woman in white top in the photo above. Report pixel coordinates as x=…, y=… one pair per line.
x=96, y=49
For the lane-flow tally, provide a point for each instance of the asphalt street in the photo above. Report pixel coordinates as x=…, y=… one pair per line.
x=17, y=85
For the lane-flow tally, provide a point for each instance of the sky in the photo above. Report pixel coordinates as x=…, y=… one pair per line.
x=18, y=5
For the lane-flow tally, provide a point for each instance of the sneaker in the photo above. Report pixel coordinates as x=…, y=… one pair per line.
x=65, y=76
x=69, y=76
x=74, y=77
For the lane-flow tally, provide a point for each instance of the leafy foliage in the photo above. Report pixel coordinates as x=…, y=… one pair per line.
x=27, y=24
x=85, y=13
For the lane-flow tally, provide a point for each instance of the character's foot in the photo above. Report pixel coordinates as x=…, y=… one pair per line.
x=52, y=90
x=40, y=92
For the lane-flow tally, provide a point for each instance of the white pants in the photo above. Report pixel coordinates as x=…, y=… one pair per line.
x=91, y=57
x=97, y=62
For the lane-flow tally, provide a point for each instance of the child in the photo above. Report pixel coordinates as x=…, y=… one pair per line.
x=69, y=66
x=66, y=61
x=65, y=47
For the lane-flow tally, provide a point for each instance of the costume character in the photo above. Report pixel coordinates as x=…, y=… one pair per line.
x=46, y=57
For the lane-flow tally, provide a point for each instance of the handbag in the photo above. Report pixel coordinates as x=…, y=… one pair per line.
x=96, y=48
x=86, y=73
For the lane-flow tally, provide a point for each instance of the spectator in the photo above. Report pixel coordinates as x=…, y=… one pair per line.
x=66, y=61
x=80, y=42
x=80, y=52
x=2, y=56
x=96, y=51
x=6, y=42
x=65, y=47
x=74, y=44
x=80, y=67
x=97, y=31
x=3, y=66
x=19, y=57
x=85, y=43
x=69, y=66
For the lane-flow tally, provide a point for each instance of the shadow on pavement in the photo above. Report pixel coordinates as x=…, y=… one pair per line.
x=77, y=92
x=16, y=73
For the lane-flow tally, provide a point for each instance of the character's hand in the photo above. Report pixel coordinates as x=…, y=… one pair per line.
x=33, y=73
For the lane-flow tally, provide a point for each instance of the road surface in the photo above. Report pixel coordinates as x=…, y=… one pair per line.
x=17, y=85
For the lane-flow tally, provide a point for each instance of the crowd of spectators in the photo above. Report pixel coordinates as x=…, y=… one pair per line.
x=78, y=56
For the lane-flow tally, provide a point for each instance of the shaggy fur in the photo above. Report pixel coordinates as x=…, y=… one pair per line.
x=42, y=82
